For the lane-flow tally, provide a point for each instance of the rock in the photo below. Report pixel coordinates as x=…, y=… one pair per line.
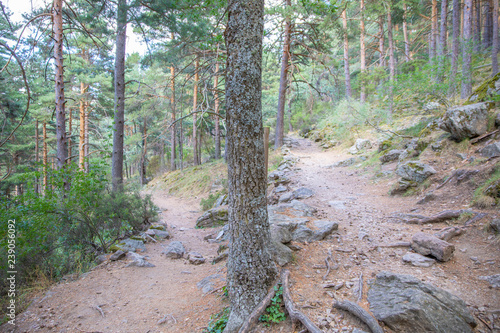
x=157, y=227
x=495, y=225
x=491, y=150
x=219, y=258
x=418, y=260
x=213, y=218
x=325, y=228
x=391, y=155
x=494, y=280
x=427, y=198
x=402, y=186
x=497, y=120
x=286, y=197
x=359, y=146
x=302, y=209
x=344, y=163
x=281, y=234
x=339, y=205
x=426, y=244
x=466, y=121
x=302, y=193
x=138, y=260
x=278, y=178
x=195, y=258
x=357, y=330
x=100, y=259
x=415, y=171
x=221, y=201
x=207, y=284
x=175, y=250
x=281, y=253
x=117, y=255
x=162, y=234
x=493, y=190
x=302, y=234
x=280, y=188
x=488, y=90
x=407, y=305
x=129, y=245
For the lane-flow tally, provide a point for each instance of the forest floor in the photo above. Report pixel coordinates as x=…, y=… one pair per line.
x=165, y=298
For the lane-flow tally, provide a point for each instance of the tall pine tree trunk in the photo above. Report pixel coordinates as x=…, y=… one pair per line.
x=434, y=32
x=196, y=160
x=62, y=149
x=142, y=166
x=405, y=34
x=81, y=150
x=442, y=38
x=87, y=135
x=173, y=128
x=467, y=51
x=455, y=48
x=488, y=23
x=216, y=109
x=494, y=49
x=362, y=49
x=381, y=41
x=476, y=10
x=119, y=119
x=37, y=154
x=45, y=158
x=392, y=60
x=280, y=118
x=347, y=72
x=250, y=269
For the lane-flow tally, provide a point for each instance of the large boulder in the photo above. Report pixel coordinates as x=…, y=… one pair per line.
x=359, y=146
x=488, y=90
x=407, y=305
x=466, y=121
x=214, y=217
x=415, y=171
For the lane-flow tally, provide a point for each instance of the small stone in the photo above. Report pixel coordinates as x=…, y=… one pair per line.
x=302, y=193
x=195, y=258
x=117, y=255
x=418, y=260
x=175, y=250
x=494, y=280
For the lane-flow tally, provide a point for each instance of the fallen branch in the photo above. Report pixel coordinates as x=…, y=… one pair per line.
x=361, y=313
x=360, y=287
x=327, y=265
x=295, y=314
x=440, y=217
x=154, y=240
x=397, y=244
x=476, y=218
x=479, y=138
x=448, y=233
x=258, y=310
x=98, y=308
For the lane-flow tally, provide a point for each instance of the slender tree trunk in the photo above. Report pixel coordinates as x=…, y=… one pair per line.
x=37, y=154
x=216, y=109
x=392, y=61
x=196, y=160
x=488, y=23
x=173, y=128
x=87, y=136
x=45, y=159
x=455, y=48
x=83, y=104
x=144, y=151
x=434, y=32
x=362, y=49
x=62, y=149
x=347, y=72
x=442, y=38
x=280, y=119
x=119, y=119
x=476, y=10
x=181, y=141
x=70, y=133
x=405, y=34
x=381, y=41
x=250, y=269
x=466, y=51
x=494, y=49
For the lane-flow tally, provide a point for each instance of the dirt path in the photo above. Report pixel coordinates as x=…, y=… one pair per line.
x=165, y=298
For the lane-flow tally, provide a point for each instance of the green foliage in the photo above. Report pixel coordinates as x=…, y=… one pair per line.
x=274, y=311
x=218, y=321
x=488, y=194
x=209, y=202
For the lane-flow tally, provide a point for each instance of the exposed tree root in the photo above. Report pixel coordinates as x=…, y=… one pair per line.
x=440, y=217
x=327, y=265
x=397, y=244
x=476, y=218
x=361, y=313
x=448, y=233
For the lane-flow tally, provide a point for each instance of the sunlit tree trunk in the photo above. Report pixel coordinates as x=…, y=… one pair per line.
x=488, y=19
x=405, y=34
x=173, y=128
x=466, y=51
x=494, y=49
x=392, y=60
x=37, y=153
x=119, y=119
x=216, y=110
x=81, y=150
x=69, y=134
x=45, y=159
x=280, y=119
x=455, y=48
x=442, y=38
x=476, y=18
x=62, y=149
x=362, y=49
x=87, y=136
x=250, y=269
x=347, y=72
x=196, y=160
x=434, y=31
x=381, y=41
x=142, y=166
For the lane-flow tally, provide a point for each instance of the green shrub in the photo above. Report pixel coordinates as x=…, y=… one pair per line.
x=218, y=321
x=274, y=312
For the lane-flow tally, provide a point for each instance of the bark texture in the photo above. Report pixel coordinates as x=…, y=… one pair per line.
x=467, y=51
x=362, y=48
x=216, y=110
x=455, y=44
x=392, y=60
x=251, y=271
x=173, y=128
x=196, y=159
x=280, y=119
x=347, y=72
x=442, y=37
x=81, y=145
x=494, y=49
x=119, y=119
x=405, y=34
x=62, y=149
x=381, y=41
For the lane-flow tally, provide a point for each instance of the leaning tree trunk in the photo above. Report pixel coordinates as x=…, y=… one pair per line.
x=442, y=38
x=405, y=34
x=250, y=269
x=494, y=49
x=119, y=120
x=196, y=159
x=347, y=72
x=216, y=109
x=280, y=119
x=172, y=129
x=467, y=51
x=455, y=45
x=62, y=149
x=362, y=49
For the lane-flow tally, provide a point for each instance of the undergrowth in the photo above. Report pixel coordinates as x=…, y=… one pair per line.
x=218, y=321
x=274, y=311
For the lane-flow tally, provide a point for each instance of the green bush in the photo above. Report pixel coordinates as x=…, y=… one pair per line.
x=274, y=312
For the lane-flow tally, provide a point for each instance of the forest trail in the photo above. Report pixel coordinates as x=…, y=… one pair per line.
x=165, y=298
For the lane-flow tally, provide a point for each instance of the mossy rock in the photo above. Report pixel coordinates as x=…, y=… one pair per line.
x=486, y=91
x=157, y=227
x=115, y=247
x=493, y=190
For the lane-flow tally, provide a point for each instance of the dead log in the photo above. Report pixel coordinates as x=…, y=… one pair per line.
x=361, y=313
x=295, y=314
x=426, y=244
x=440, y=217
x=476, y=218
x=448, y=233
x=484, y=136
x=397, y=244
x=259, y=309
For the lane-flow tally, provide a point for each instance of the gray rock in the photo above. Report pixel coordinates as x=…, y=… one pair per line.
x=427, y=198
x=418, y=260
x=280, y=188
x=415, y=171
x=162, y=234
x=344, y=163
x=213, y=218
x=426, y=244
x=195, y=258
x=407, y=305
x=491, y=150
x=466, y=121
x=391, y=155
x=281, y=234
x=174, y=250
x=494, y=280
x=324, y=228
x=221, y=201
x=339, y=205
x=302, y=193
x=157, y=227
x=495, y=225
x=402, y=186
x=281, y=253
x=302, y=234
x=207, y=284
x=497, y=120
x=286, y=197
x=359, y=146
x=130, y=245
x=138, y=260
x=357, y=330
x=302, y=209
x=117, y=255
x=101, y=258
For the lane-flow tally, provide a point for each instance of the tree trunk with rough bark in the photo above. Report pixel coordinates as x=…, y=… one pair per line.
x=405, y=34
x=62, y=149
x=434, y=31
x=280, y=118
x=119, y=119
x=488, y=18
x=392, y=60
x=250, y=269
x=81, y=145
x=381, y=41
x=442, y=38
x=216, y=109
x=362, y=49
x=494, y=48
x=467, y=51
x=45, y=159
x=144, y=152
x=37, y=154
x=196, y=160
x=455, y=48
x=476, y=18
x=347, y=72
x=173, y=128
